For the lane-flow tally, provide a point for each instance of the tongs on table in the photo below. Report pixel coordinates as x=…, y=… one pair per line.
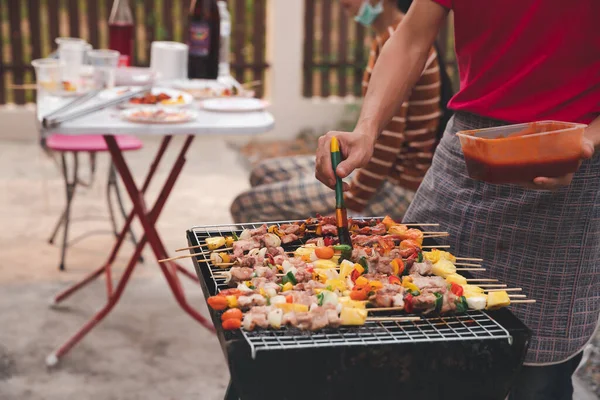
x=54, y=119
x=341, y=215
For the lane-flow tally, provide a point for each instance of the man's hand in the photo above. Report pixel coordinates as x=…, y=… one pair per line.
x=542, y=183
x=357, y=149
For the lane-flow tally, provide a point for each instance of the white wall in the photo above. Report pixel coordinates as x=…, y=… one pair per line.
x=293, y=113
x=285, y=43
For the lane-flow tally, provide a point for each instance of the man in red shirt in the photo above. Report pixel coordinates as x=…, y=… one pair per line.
x=519, y=61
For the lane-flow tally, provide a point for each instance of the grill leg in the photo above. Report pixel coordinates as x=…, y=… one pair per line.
x=231, y=393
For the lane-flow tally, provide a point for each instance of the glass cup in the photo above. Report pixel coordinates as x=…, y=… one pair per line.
x=105, y=67
x=47, y=75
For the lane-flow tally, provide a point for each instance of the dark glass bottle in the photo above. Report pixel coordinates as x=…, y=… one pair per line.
x=120, y=31
x=203, y=39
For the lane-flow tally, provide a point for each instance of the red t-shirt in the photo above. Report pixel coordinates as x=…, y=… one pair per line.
x=528, y=60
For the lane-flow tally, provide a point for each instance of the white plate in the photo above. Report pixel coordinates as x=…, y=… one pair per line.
x=234, y=104
x=113, y=93
x=148, y=115
x=204, y=88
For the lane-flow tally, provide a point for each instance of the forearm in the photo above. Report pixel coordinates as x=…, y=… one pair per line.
x=593, y=133
x=399, y=66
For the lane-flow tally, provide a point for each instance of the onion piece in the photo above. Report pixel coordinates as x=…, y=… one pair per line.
x=262, y=252
x=278, y=300
x=286, y=266
x=245, y=235
x=228, y=277
x=253, y=252
x=275, y=317
x=248, y=322
x=215, y=258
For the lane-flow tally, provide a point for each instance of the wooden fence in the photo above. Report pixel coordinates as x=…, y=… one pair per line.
x=336, y=50
x=29, y=27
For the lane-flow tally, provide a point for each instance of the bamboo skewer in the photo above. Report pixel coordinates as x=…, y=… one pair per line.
x=179, y=257
x=522, y=301
x=443, y=246
x=495, y=285
x=470, y=269
x=482, y=280
x=191, y=247
x=468, y=264
x=392, y=319
x=504, y=290
x=469, y=259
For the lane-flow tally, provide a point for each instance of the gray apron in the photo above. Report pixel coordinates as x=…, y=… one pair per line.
x=547, y=243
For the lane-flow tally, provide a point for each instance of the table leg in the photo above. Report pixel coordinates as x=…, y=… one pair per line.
x=148, y=219
x=139, y=206
x=106, y=266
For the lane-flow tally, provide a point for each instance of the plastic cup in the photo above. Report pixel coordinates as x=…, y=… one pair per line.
x=47, y=75
x=71, y=54
x=105, y=64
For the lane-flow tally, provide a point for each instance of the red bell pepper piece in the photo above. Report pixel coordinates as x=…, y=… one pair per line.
x=408, y=303
x=271, y=259
x=394, y=280
x=456, y=289
x=328, y=241
x=289, y=298
x=354, y=275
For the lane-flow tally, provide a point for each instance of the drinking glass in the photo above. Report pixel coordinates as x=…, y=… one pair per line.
x=105, y=66
x=71, y=52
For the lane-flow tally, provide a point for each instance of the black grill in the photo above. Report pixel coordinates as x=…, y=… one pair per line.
x=469, y=356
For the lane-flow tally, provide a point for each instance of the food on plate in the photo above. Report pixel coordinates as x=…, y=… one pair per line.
x=158, y=116
x=160, y=98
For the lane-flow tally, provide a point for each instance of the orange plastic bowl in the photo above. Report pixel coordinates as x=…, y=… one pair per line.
x=520, y=153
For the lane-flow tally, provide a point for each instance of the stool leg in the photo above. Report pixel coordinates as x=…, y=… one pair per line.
x=59, y=223
x=70, y=192
x=112, y=181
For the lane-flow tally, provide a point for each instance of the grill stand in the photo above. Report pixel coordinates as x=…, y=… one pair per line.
x=441, y=369
x=151, y=236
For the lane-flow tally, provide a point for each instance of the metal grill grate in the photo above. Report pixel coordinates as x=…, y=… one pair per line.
x=474, y=325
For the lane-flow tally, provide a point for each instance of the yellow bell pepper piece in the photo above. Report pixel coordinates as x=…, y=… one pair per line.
x=304, y=251
x=229, y=241
x=411, y=286
x=225, y=257
x=317, y=290
x=336, y=284
x=353, y=316
x=497, y=300
x=359, y=268
x=320, y=276
x=248, y=283
x=231, y=301
x=375, y=285
x=289, y=307
x=214, y=243
x=324, y=264
x=388, y=222
x=287, y=286
x=262, y=292
x=346, y=301
x=397, y=229
x=395, y=266
x=444, y=268
x=361, y=280
x=456, y=278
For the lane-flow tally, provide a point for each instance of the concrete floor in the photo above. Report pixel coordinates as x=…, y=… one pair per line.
x=148, y=348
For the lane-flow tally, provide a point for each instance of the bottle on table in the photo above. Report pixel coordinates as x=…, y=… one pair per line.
x=224, y=71
x=120, y=31
x=203, y=39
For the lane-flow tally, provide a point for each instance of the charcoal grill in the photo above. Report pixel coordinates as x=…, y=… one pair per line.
x=472, y=356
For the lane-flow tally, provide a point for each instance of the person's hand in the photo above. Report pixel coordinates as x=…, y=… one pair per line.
x=357, y=149
x=543, y=183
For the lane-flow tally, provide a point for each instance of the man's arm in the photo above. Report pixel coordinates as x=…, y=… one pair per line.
x=397, y=70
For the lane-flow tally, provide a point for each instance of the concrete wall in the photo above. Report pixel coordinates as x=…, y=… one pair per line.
x=293, y=113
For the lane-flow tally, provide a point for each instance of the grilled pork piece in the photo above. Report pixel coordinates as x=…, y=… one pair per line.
x=309, y=286
x=430, y=284
x=240, y=274
x=424, y=303
x=289, y=238
x=251, y=301
x=449, y=302
x=388, y=296
x=242, y=245
x=328, y=229
x=424, y=268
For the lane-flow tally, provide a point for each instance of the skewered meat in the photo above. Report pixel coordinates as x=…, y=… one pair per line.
x=289, y=238
x=385, y=296
x=424, y=268
x=251, y=301
x=242, y=245
x=290, y=228
x=329, y=229
x=303, y=275
x=449, y=302
x=430, y=284
x=310, y=286
x=424, y=303
x=240, y=274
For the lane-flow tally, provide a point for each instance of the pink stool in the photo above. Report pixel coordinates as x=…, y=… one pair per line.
x=91, y=144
